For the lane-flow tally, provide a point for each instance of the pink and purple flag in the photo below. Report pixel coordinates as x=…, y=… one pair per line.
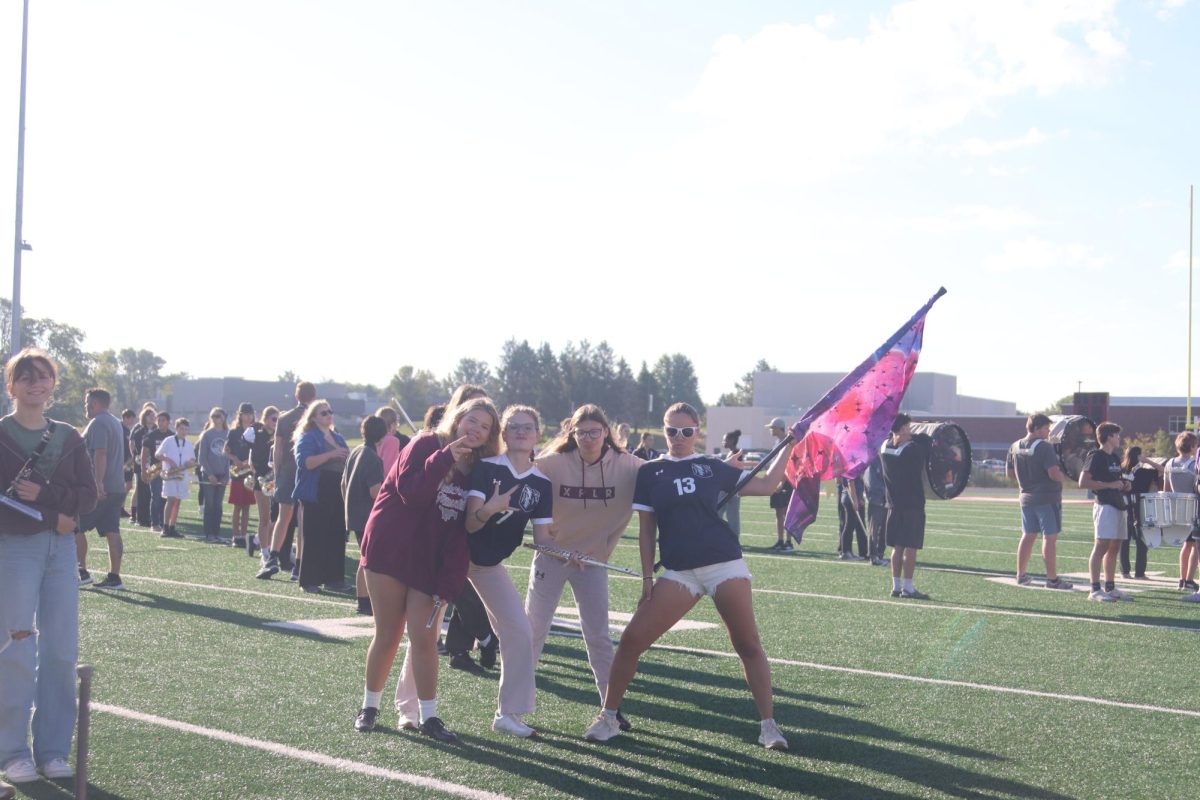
x=841, y=434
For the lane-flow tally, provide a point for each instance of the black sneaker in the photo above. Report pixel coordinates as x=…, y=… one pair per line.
x=463, y=661
x=365, y=722
x=623, y=723
x=777, y=546
x=85, y=578
x=268, y=569
x=487, y=655
x=111, y=581
x=433, y=727
x=1190, y=586
x=172, y=533
x=238, y=541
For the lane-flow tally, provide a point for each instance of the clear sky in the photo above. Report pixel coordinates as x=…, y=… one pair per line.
x=388, y=183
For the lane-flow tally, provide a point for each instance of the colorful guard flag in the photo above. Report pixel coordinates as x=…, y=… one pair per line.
x=841, y=435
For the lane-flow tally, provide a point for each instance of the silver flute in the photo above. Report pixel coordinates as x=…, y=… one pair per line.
x=567, y=555
x=437, y=605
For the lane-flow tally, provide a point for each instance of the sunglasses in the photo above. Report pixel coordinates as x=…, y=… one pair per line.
x=594, y=433
x=686, y=433
x=325, y=413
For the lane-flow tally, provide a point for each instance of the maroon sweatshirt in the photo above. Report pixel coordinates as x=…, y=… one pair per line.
x=415, y=532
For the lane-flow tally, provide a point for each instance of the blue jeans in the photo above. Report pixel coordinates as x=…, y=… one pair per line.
x=214, y=497
x=157, y=503
x=40, y=593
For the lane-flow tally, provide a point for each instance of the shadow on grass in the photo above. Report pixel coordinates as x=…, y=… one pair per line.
x=158, y=602
x=62, y=790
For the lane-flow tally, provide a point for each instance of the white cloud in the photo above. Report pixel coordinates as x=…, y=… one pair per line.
x=965, y=218
x=1168, y=7
x=1178, y=262
x=981, y=147
x=1034, y=254
x=797, y=99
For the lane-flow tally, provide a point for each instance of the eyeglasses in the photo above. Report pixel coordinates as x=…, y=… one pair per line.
x=686, y=433
x=520, y=427
x=590, y=433
x=325, y=413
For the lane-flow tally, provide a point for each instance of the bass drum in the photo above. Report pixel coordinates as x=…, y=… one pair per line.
x=948, y=466
x=1074, y=438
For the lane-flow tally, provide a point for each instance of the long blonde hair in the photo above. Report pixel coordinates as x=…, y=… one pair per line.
x=307, y=423
x=447, y=431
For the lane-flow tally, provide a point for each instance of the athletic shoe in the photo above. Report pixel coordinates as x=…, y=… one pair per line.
x=296, y=571
x=770, y=737
x=487, y=655
x=1192, y=598
x=215, y=540
x=365, y=722
x=111, y=582
x=602, y=729
x=787, y=547
x=1126, y=576
x=623, y=723
x=268, y=569
x=896, y=592
x=512, y=725
x=464, y=662
x=777, y=546
x=1024, y=580
x=1101, y=596
x=434, y=728
x=914, y=594
x=156, y=528
x=1117, y=594
x=21, y=770
x=85, y=578
x=171, y=533
x=879, y=561
x=1192, y=585
x=847, y=557
x=311, y=589
x=441, y=647
x=57, y=768
x=1059, y=583
x=238, y=541
x=338, y=588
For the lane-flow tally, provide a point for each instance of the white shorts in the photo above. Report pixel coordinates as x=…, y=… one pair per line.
x=1109, y=522
x=175, y=487
x=705, y=580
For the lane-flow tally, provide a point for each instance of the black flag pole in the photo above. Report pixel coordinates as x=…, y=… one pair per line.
x=767, y=459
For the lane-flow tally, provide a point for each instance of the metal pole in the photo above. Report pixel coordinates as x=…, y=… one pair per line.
x=1188, y=423
x=18, y=244
x=759, y=467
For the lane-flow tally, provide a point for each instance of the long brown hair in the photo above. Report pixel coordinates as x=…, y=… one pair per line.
x=590, y=412
x=447, y=431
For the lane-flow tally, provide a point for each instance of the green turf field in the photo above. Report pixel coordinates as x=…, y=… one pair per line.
x=987, y=690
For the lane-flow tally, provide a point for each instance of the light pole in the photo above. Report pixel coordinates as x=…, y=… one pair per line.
x=1189, y=424
x=18, y=243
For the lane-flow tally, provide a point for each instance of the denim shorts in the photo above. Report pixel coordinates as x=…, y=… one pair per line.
x=705, y=580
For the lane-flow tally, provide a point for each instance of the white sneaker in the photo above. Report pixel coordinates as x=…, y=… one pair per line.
x=512, y=725
x=408, y=723
x=770, y=737
x=1117, y=594
x=57, y=768
x=1102, y=596
x=603, y=728
x=21, y=770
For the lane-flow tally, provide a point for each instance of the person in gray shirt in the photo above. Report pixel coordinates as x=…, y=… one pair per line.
x=105, y=438
x=214, y=466
x=362, y=478
x=1034, y=463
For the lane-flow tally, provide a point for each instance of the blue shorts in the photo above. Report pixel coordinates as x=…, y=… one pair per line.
x=1044, y=518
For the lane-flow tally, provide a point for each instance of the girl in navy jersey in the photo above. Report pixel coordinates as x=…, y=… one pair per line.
x=507, y=493
x=676, y=499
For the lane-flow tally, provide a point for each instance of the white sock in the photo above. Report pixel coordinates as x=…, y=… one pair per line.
x=428, y=709
x=764, y=722
x=896, y=586
x=908, y=585
x=611, y=713
x=371, y=699
x=486, y=641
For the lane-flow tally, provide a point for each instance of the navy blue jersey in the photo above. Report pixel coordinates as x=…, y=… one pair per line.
x=683, y=495
x=502, y=534
x=904, y=472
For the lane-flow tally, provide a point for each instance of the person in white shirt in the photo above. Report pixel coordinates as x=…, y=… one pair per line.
x=178, y=456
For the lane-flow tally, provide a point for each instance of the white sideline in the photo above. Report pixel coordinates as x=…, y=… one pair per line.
x=320, y=759
x=987, y=687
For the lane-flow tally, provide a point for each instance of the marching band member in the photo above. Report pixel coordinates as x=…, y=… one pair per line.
x=676, y=499
x=362, y=478
x=1144, y=476
x=415, y=558
x=320, y=456
x=178, y=456
x=141, y=491
x=902, y=459
x=1180, y=473
x=237, y=450
x=1102, y=475
x=260, y=458
x=593, y=480
x=150, y=444
x=507, y=493
x=214, y=465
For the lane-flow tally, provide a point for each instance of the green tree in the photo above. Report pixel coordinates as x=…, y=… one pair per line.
x=416, y=389
x=551, y=388
x=649, y=398
x=469, y=370
x=743, y=390
x=517, y=375
x=676, y=377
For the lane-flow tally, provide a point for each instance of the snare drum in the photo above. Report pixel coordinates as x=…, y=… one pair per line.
x=1167, y=518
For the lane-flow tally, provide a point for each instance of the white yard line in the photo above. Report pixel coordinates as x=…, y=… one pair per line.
x=285, y=597
x=296, y=754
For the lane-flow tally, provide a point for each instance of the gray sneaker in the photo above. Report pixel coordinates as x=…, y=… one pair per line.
x=1060, y=583
x=1024, y=580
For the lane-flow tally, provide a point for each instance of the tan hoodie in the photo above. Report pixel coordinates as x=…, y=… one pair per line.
x=592, y=502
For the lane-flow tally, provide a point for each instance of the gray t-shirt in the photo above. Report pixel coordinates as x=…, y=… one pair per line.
x=364, y=469
x=285, y=429
x=210, y=453
x=1037, y=487
x=104, y=432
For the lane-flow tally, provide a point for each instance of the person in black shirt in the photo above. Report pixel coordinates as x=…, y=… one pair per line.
x=150, y=443
x=141, y=492
x=1102, y=474
x=1145, y=476
x=676, y=499
x=903, y=458
x=646, y=451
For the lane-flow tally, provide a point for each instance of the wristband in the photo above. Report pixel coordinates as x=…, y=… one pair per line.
x=647, y=577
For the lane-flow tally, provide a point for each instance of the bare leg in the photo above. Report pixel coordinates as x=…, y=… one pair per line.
x=116, y=549
x=668, y=603
x=909, y=556
x=1024, y=550
x=81, y=549
x=1098, y=551
x=388, y=599
x=422, y=644
x=736, y=607
x=1110, y=560
x=1049, y=555
x=281, y=525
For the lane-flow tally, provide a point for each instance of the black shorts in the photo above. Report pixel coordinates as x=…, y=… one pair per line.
x=905, y=527
x=781, y=497
x=106, y=517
